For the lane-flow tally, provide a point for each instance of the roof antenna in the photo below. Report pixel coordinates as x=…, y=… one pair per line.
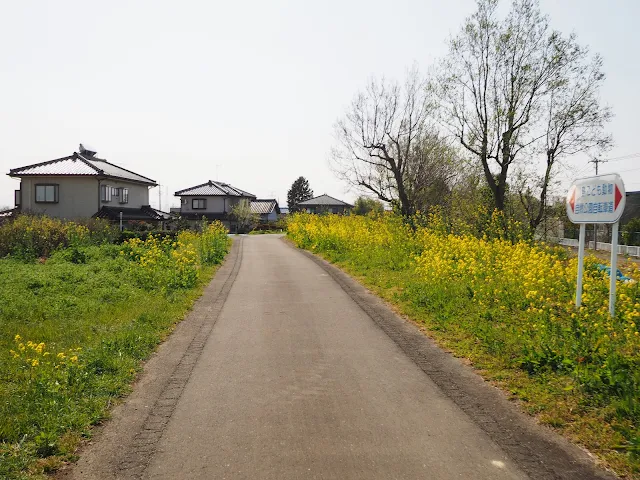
x=87, y=151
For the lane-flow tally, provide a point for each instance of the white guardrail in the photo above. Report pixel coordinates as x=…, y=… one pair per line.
x=631, y=250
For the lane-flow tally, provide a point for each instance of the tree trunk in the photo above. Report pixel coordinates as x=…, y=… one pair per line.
x=405, y=204
x=534, y=222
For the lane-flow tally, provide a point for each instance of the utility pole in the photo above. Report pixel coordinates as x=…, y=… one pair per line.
x=159, y=197
x=596, y=162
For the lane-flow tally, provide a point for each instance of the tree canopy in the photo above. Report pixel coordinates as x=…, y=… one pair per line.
x=299, y=192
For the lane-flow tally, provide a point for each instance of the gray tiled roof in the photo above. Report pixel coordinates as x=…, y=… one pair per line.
x=8, y=213
x=215, y=189
x=131, y=213
x=324, y=200
x=264, y=206
x=77, y=164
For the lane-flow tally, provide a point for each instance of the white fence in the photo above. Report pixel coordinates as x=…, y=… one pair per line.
x=631, y=250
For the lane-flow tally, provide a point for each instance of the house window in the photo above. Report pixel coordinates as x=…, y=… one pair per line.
x=47, y=193
x=18, y=197
x=124, y=195
x=199, y=203
x=106, y=193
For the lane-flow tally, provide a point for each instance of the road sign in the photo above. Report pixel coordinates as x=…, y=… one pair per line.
x=599, y=199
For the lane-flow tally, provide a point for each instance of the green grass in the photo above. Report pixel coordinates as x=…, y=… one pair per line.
x=455, y=323
x=585, y=387
x=97, y=306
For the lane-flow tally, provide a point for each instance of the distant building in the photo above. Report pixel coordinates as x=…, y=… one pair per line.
x=324, y=204
x=82, y=185
x=213, y=201
x=268, y=209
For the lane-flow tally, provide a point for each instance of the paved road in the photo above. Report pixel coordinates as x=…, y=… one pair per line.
x=282, y=372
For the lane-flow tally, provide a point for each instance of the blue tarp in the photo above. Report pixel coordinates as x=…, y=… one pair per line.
x=619, y=274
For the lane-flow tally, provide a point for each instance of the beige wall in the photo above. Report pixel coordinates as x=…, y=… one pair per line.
x=138, y=194
x=78, y=197
x=214, y=204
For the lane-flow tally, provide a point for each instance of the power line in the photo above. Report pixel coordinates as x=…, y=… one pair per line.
x=581, y=171
x=625, y=157
x=597, y=161
x=628, y=170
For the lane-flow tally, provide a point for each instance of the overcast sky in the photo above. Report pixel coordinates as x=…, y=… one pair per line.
x=245, y=92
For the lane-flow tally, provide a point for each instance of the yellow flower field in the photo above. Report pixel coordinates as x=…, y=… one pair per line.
x=511, y=303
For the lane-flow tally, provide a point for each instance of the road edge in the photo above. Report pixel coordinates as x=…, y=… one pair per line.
x=538, y=451
x=123, y=446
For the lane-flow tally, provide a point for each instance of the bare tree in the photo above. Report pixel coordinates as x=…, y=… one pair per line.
x=573, y=122
x=378, y=136
x=496, y=82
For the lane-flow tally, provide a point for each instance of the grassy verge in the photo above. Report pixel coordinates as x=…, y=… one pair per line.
x=74, y=331
x=576, y=371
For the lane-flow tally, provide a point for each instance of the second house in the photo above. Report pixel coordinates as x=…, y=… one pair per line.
x=215, y=201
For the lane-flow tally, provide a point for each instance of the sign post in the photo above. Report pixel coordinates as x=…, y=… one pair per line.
x=583, y=229
x=614, y=269
x=599, y=199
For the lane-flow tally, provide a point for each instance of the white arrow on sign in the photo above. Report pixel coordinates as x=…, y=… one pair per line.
x=599, y=199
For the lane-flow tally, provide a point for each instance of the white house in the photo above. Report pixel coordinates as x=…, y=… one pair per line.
x=82, y=185
x=213, y=201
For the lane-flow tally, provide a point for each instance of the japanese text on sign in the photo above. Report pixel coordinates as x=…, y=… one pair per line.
x=599, y=199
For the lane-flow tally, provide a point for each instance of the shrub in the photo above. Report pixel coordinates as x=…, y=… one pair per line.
x=172, y=261
x=631, y=232
x=32, y=236
x=29, y=237
x=129, y=234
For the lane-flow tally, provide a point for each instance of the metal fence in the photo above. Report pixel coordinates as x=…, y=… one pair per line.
x=603, y=232
x=631, y=250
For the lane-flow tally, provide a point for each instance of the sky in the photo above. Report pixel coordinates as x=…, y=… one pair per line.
x=247, y=92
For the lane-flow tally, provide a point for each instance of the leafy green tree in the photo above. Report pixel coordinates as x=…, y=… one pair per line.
x=631, y=232
x=299, y=192
x=513, y=88
x=365, y=205
x=241, y=213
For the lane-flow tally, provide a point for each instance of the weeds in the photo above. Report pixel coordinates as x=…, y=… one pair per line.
x=29, y=236
x=74, y=330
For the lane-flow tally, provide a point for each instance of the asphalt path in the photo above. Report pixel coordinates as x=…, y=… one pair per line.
x=288, y=369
